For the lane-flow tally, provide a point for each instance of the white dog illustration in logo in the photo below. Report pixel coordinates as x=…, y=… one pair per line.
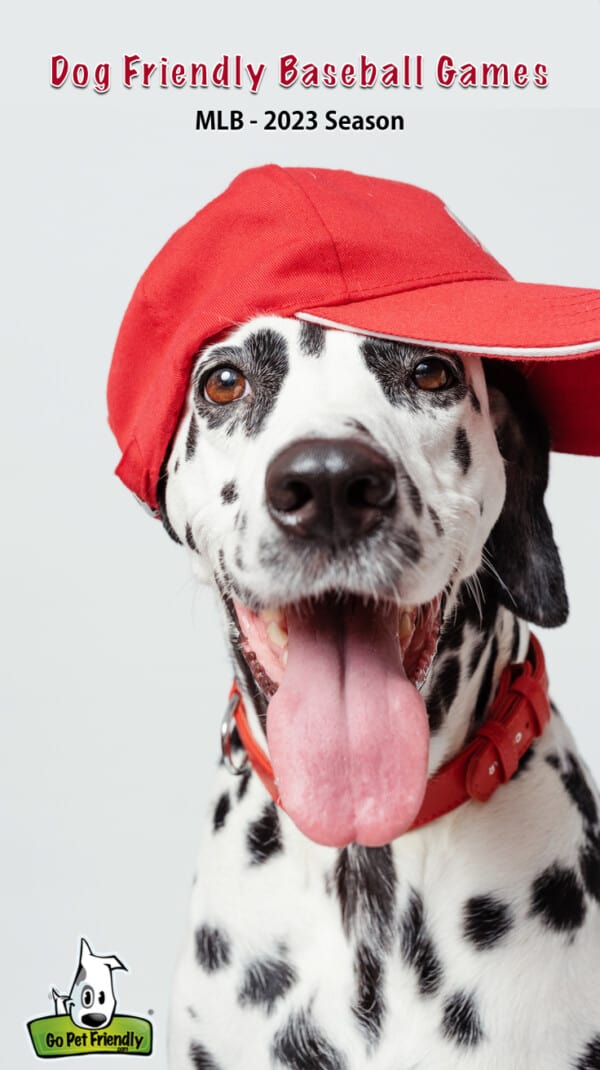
x=91, y=1002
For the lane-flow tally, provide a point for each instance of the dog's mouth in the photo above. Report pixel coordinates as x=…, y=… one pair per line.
x=346, y=725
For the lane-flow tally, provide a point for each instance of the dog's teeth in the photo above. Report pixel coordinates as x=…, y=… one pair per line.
x=405, y=626
x=284, y=657
x=269, y=615
x=276, y=634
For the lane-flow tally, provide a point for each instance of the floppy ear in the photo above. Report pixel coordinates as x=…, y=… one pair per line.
x=521, y=546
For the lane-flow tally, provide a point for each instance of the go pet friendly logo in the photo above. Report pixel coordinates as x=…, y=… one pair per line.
x=84, y=1022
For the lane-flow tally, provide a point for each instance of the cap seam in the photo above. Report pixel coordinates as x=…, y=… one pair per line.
x=308, y=198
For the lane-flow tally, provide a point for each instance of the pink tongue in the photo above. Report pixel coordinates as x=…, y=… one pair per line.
x=348, y=734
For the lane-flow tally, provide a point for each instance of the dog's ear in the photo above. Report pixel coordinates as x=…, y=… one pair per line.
x=521, y=546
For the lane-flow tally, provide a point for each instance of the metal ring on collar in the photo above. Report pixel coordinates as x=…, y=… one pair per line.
x=227, y=726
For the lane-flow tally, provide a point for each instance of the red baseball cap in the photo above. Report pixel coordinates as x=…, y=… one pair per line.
x=353, y=252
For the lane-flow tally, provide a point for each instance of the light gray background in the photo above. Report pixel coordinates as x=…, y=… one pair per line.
x=115, y=676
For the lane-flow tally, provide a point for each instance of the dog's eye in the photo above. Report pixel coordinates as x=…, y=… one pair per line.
x=433, y=374
x=87, y=996
x=224, y=385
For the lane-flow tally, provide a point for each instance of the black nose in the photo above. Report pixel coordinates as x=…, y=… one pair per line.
x=327, y=488
x=93, y=1020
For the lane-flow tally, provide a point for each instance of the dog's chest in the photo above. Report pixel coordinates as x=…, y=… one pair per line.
x=449, y=947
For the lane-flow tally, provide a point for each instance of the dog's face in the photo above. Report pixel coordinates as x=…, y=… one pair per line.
x=339, y=488
x=279, y=397
x=91, y=1002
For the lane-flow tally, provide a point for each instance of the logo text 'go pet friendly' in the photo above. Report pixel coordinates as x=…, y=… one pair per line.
x=84, y=1022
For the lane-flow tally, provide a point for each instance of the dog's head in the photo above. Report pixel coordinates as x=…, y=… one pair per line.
x=91, y=1002
x=339, y=489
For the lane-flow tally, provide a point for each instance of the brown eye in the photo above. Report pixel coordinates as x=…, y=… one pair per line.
x=224, y=385
x=432, y=374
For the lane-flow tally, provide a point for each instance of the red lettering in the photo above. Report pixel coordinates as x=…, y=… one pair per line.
x=130, y=69
x=540, y=75
x=220, y=74
x=445, y=72
x=520, y=75
x=102, y=78
x=390, y=76
x=288, y=70
x=329, y=75
x=310, y=75
x=81, y=75
x=468, y=76
x=199, y=75
x=348, y=75
x=59, y=70
x=494, y=75
x=368, y=73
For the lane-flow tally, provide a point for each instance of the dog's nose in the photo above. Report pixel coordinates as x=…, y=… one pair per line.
x=93, y=1020
x=334, y=489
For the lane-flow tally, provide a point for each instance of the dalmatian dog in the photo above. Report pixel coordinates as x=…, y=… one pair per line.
x=371, y=516
x=91, y=1003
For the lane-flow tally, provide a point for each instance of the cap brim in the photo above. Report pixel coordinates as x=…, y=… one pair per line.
x=494, y=317
x=552, y=331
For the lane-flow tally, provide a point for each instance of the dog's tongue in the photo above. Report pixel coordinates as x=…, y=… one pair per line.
x=348, y=734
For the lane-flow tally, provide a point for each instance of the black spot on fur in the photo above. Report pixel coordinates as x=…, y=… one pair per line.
x=553, y=761
x=212, y=949
x=557, y=899
x=479, y=610
x=264, y=835
x=474, y=399
x=485, y=687
x=262, y=359
x=417, y=947
x=365, y=881
x=476, y=653
x=461, y=451
x=486, y=920
x=443, y=691
x=161, y=497
x=393, y=364
x=579, y=790
x=369, y=1006
x=221, y=811
x=192, y=438
x=437, y=523
x=176, y=465
x=461, y=1022
x=410, y=544
x=265, y=981
x=229, y=492
x=452, y=635
x=521, y=546
x=189, y=538
x=244, y=780
x=312, y=338
x=200, y=1057
x=590, y=1058
x=413, y=492
x=300, y=1045
x=356, y=425
x=589, y=861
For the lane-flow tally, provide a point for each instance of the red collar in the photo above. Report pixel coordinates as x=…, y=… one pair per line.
x=519, y=713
